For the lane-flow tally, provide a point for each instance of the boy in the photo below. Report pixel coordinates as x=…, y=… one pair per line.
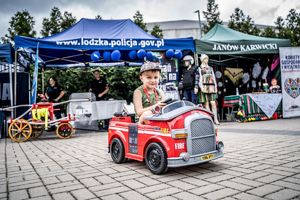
x=147, y=98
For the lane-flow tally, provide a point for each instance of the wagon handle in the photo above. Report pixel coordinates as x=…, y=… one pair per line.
x=72, y=100
x=12, y=107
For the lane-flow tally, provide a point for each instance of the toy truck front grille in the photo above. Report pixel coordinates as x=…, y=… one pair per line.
x=201, y=138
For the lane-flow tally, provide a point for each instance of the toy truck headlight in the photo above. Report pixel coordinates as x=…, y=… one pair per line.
x=179, y=134
x=185, y=156
x=220, y=146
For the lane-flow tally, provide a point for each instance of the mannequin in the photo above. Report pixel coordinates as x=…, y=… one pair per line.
x=208, y=87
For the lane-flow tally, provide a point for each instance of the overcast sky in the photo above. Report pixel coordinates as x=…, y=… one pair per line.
x=261, y=11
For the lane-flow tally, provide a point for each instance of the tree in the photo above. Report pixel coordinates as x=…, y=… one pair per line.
x=57, y=22
x=268, y=32
x=280, y=27
x=22, y=23
x=290, y=27
x=212, y=15
x=68, y=20
x=157, y=32
x=77, y=80
x=52, y=25
x=98, y=17
x=138, y=20
x=240, y=22
x=293, y=27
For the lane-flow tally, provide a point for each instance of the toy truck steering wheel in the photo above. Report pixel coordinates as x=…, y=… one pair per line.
x=166, y=101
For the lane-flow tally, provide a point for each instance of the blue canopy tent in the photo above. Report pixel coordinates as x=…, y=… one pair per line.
x=6, y=53
x=6, y=58
x=74, y=46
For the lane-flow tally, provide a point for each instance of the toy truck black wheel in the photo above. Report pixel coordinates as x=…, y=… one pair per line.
x=117, y=152
x=64, y=130
x=156, y=158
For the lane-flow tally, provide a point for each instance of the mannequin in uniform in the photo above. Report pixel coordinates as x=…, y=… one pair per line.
x=207, y=91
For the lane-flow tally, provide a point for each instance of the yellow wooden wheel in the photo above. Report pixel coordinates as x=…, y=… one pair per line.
x=64, y=130
x=19, y=130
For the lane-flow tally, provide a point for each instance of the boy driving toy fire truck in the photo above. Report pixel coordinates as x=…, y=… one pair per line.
x=169, y=133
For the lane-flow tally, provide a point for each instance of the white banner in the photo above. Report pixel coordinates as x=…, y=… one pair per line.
x=290, y=80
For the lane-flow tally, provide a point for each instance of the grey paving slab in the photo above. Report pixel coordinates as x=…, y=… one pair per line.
x=65, y=196
x=256, y=165
x=187, y=196
x=133, y=195
x=221, y=194
x=284, y=194
x=38, y=191
x=83, y=194
x=265, y=189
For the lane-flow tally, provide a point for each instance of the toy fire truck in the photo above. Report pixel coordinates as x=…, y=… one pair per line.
x=180, y=134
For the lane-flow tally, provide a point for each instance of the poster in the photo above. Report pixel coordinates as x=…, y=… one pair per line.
x=290, y=81
x=22, y=89
x=169, y=77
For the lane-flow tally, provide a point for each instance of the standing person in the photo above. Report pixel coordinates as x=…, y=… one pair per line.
x=188, y=79
x=208, y=86
x=147, y=97
x=99, y=86
x=54, y=93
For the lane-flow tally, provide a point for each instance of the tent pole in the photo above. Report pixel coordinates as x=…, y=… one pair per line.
x=11, y=90
x=43, y=77
x=15, y=82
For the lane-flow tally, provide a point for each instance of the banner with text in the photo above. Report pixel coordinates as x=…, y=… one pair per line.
x=290, y=80
x=169, y=77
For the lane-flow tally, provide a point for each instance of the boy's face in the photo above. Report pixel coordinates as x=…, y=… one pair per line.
x=150, y=79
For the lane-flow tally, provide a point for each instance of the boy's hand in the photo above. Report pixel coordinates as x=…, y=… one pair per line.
x=156, y=107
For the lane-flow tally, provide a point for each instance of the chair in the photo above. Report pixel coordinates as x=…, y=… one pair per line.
x=230, y=108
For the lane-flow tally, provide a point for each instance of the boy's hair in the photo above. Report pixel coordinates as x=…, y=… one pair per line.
x=150, y=66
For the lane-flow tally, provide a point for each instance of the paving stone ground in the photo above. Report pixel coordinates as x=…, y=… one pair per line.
x=262, y=161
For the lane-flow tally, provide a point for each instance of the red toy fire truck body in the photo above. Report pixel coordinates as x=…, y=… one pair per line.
x=180, y=135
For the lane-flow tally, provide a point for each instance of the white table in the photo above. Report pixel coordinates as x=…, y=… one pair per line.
x=95, y=110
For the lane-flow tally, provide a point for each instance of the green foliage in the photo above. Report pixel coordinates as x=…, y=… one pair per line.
x=157, y=32
x=240, y=22
x=280, y=27
x=138, y=20
x=290, y=27
x=22, y=23
x=57, y=22
x=123, y=81
x=212, y=15
x=268, y=32
x=68, y=20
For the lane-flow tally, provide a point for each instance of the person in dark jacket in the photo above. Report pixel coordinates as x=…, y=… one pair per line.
x=99, y=86
x=54, y=93
x=188, y=79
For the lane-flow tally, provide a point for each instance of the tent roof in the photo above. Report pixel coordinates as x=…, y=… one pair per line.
x=223, y=40
x=75, y=45
x=109, y=29
x=6, y=52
